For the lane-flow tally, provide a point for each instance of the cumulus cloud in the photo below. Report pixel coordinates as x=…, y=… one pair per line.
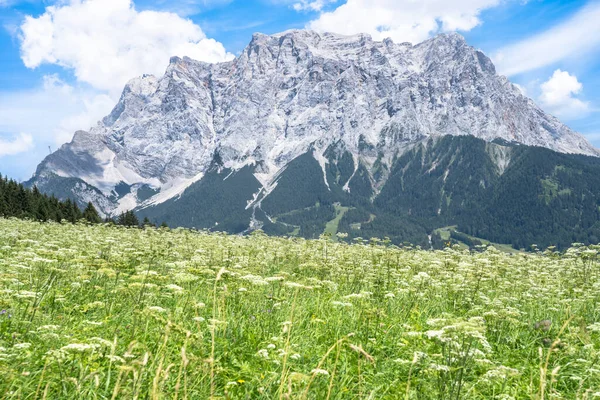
x=402, y=20
x=578, y=35
x=104, y=43
x=107, y=42
x=20, y=144
x=558, y=96
x=52, y=112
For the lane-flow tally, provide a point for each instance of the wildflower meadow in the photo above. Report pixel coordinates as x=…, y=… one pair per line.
x=105, y=312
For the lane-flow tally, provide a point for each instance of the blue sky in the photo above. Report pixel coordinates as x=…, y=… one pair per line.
x=64, y=62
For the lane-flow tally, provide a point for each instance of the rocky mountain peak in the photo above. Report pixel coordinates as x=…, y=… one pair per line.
x=295, y=92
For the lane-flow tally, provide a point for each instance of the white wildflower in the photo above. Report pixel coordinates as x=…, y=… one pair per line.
x=295, y=285
x=79, y=347
x=263, y=353
x=318, y=371
x=114, y=358
x=157, y=309
x=433, y=334
x=174, y=288
x=101, y=341
x=438, y=367
x=24, y=294
x=421, y=277
x=361, y=295
x=48, y=328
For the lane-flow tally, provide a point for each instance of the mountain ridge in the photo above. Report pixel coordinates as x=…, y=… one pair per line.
x=287, y=95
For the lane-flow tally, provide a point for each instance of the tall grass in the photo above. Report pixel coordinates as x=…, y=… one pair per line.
x=104, y=312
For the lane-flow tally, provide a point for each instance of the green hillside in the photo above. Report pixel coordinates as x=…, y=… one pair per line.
x=498, y=192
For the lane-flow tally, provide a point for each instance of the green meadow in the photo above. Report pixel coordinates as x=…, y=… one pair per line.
x=105, y=312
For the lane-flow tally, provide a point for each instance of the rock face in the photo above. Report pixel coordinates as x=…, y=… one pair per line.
x=286, y=95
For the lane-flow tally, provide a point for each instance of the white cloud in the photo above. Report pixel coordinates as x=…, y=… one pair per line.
x=558, y=96
x=402, y=20
x=52, y=112
x=311, y=5
x=186, y=8
x=576, y=36
x=104, y=43
x=22, y=143
x=107, y=42
x=521, y=88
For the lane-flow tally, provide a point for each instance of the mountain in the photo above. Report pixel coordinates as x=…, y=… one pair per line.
x=505, y=193
x=301, y=121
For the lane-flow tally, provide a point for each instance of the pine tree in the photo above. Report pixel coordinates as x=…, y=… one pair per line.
x=121, y=220
x=3, y=204
x=75, y=212
x=67, y=211
x=23, y=204
x=147, y=222
x=132, y=219
x=18, y=201
x=91, y=215
x=42, y=212
x=128, y=218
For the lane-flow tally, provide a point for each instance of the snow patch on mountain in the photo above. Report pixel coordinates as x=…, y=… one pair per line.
x=288, y=93
x=318, y=155
x=170, y=190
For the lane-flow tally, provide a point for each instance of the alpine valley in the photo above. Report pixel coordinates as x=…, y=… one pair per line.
x=306, y=133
